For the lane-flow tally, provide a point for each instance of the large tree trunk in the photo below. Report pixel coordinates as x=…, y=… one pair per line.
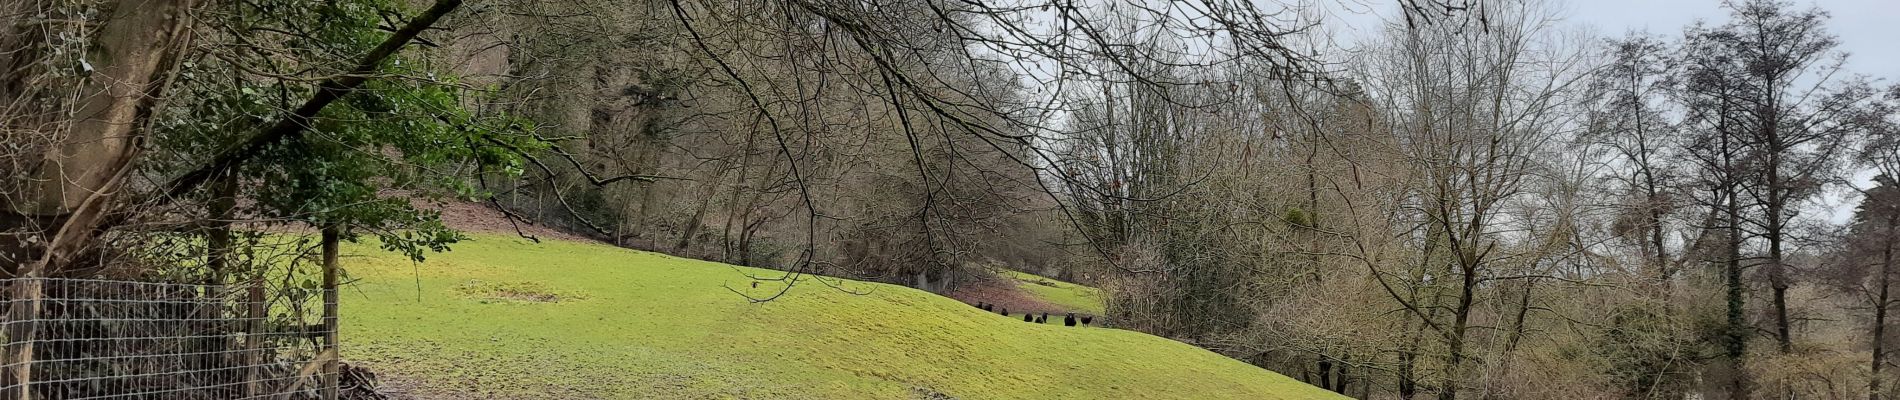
x=1778, y=270
x=60, y=201
x=1737, y=335
x=134, y=56
x=1455, y=345
x=136, y=53
x=219, y=248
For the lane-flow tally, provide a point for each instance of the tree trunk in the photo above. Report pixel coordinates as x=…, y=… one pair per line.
x=1778, y=270
x=699, y=214
x=1325, y=373
x=1518, y=321
x=1737, y=335
x=1455, y=345
x=1880, y=310
x=1657, y=240
x=64, y=196
x=254, y=315
x=1408, y=388
x=1342, y=377
x=218, y=249
x=136, y=49
x=1312, y=212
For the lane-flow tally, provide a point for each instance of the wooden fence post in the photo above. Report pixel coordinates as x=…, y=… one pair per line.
x=21, y=326
x=218, y=250
x=253, y=335
x=331, y=234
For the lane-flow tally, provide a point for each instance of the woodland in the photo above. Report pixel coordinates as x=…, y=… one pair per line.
x=1475, y=198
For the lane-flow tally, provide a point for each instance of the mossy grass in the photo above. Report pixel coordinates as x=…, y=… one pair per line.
x=628, y=324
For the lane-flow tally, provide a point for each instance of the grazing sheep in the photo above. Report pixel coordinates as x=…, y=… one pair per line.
x=1029, y=318
x=1068, y=320
x=1005, y=311
x=1086, y=318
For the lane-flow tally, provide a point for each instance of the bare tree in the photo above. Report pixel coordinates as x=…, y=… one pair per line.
x=1628, y=120
x=1474, y=110
x=1795, y=116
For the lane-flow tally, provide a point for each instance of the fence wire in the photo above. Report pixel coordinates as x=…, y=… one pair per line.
x=103, y=339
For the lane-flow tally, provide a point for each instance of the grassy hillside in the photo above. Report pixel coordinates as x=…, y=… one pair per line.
x=501, y=317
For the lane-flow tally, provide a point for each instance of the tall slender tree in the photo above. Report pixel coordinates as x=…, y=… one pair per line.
x=1867, y=269
x=1628, y=118
x=1704, y=84
x=1796, y=113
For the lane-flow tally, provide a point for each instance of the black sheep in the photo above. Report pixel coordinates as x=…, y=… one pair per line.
x=1068, y=320
x=1029, y=318
x=1005, y=311
x=1086, y=318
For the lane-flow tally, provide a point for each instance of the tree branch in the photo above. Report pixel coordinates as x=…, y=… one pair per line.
x=293, y=126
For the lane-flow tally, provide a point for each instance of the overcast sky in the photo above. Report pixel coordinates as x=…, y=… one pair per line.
x=1869, y=29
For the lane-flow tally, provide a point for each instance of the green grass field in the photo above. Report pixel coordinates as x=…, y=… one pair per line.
x=1068, y=296
x=500, y=317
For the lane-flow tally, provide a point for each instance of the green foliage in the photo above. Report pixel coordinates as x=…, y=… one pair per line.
x=1297, y=217
x=1648, y=354
x=633, y=324
x=407, y=135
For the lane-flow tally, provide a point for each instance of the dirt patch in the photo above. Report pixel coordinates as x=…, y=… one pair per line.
x=1004, y=294
x=483, y=217
x=519, y=292
x=404, y=388
x=1042, y=282
x=924, y=393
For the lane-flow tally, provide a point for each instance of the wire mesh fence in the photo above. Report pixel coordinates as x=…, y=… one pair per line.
x=103, y=339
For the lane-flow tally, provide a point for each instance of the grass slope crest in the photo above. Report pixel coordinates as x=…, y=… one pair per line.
x=500, y=317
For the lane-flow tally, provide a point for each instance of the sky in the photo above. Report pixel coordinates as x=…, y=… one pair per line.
x=1868, y=29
